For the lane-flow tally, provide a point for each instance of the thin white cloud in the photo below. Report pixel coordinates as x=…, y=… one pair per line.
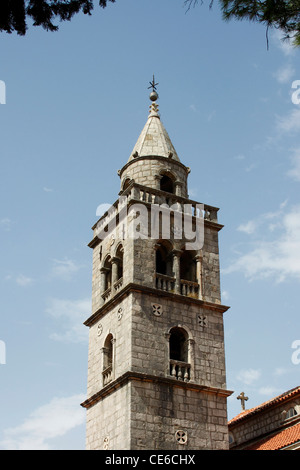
x=284, y=74
x=248, y=227
x=50, y=421
x=276, y=252
x=5, y=224
x=24, y=281
x=71, y=315
x=249, y=376
x=47, y=190
x=269, y=391
x=294, y=172
x=290, y=122
x=64, y=269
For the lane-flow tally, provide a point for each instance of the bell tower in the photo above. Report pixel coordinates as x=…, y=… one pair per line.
x=156, y=364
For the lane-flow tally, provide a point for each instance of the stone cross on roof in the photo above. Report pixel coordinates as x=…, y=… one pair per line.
x=243, y=398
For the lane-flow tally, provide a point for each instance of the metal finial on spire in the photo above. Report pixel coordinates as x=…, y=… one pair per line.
x=153, y=95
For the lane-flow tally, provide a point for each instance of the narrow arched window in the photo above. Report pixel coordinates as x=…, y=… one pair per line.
x=163, y=259
x=188, y=267
x=119, y=256
x=180, y=368
x=178, y=344
x=166, y=184
x=126, y=183
x=108, y=355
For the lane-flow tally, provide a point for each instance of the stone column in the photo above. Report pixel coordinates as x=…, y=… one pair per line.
x=177, y=187
x=176, y=269
x=114, y=271
x=103, y=273
x=199, y=262
x=113, y=361
x=191, y=357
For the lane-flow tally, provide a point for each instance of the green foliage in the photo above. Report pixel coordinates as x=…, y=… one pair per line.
x=280, y=14
x=14, y=13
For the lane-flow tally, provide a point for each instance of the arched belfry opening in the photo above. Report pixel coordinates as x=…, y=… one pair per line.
x=167, y=184
x=164, y=258
x=126, y=183
x=179, y=344
x=108, y=358
x=179, y=354
x=188, y=266
x=119, y=257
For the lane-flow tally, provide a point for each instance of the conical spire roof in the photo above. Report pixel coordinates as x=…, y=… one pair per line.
x=154, y=139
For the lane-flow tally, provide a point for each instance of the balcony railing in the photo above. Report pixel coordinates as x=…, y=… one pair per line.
x=168, y=284
x=165, y=283
x=180, y=370
x=189, y=288
x=107, y=375
x=137, y=192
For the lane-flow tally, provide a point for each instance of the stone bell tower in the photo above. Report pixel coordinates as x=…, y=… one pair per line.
x=156, y=365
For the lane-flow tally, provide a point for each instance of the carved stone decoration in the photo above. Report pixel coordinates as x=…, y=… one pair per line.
x=181, y=437
x=99, y=329
x=202, y=320
x=157, y=310
x=120, y=313
x=106, y=443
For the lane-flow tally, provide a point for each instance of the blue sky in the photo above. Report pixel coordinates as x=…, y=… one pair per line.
x=76, y=102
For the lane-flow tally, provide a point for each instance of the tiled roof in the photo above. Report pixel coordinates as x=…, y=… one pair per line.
x=279, y=440
x=274, y=401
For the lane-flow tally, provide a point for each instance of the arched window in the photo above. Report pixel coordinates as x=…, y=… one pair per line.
x=126, y=183
x=108, y=355
x=166, y=184
x=179, y=344
x=180, y=368
x=119, y=256
x=107, y=268
x=164, y=259
x=188, y=266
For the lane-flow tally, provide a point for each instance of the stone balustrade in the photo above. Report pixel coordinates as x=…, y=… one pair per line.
x=189, y=288
x=180, y=370
x=139, y=193
x=164, y=282
x=107, y=375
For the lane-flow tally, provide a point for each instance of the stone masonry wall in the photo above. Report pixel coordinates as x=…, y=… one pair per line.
x=108, y=422
x=150, y=341
x=159, y=411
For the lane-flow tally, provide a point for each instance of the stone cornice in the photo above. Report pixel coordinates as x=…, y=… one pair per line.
x=132, y=287
x=137, y=376
x=154, y=157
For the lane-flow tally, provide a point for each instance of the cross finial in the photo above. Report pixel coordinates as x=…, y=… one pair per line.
x=153, y=95
x=153, y=84
x=243, y=398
